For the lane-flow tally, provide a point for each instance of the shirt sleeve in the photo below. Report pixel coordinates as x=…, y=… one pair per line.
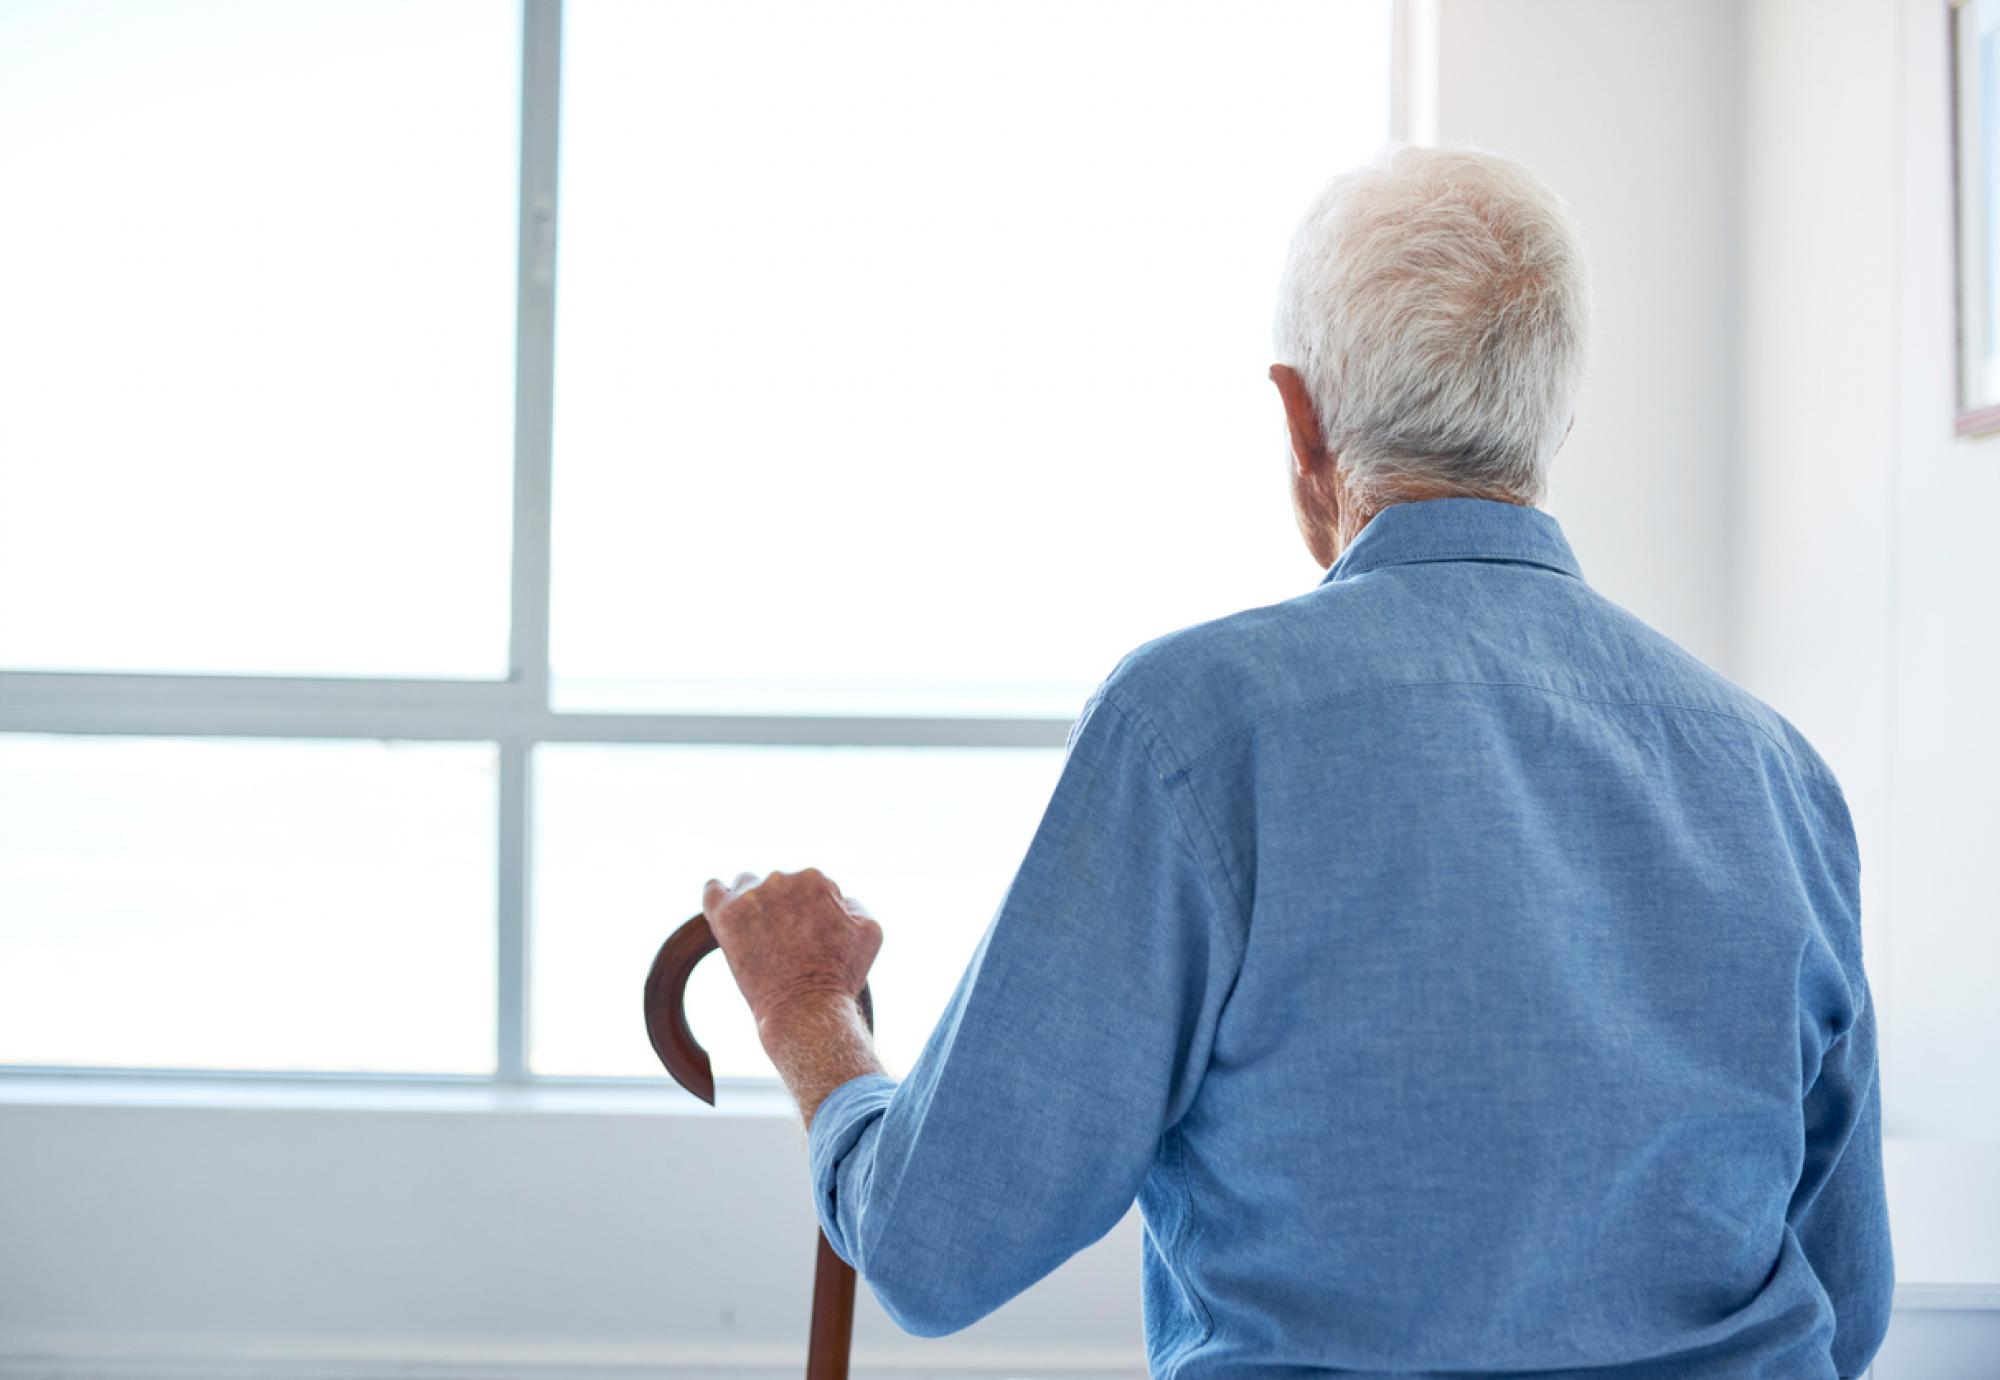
x=1840, y=1209
x=1075, y=1038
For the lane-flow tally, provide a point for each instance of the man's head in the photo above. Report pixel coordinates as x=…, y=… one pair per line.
x=1432, y=331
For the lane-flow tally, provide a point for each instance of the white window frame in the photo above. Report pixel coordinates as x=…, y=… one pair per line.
x=514, y=715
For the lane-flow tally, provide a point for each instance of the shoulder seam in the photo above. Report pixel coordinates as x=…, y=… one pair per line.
x=1156, y=746
x=1804, y=768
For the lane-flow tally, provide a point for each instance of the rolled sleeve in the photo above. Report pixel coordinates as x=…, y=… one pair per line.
x=850, y=1113
x=1074, y=1039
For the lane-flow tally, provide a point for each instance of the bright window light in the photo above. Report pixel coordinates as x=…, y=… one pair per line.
x=231, y=904
x=257, y=336
x=911, y=357
x=895, y=369
x=927, y=838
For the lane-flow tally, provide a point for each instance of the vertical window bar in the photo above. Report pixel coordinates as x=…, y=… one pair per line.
x=511, y=952
x=534, y=407
x=534, y=346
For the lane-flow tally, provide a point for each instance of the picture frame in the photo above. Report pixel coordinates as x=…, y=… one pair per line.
x=1975, y=107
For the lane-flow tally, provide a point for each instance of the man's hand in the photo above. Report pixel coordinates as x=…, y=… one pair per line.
x=800, y=952
x=791, y=936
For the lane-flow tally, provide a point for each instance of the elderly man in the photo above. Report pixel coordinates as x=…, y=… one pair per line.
x=1462, y=977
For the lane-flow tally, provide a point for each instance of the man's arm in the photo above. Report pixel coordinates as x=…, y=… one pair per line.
x=1840, y=1210
x=800, y=951
x=1076, y=1038
x=817, y=1043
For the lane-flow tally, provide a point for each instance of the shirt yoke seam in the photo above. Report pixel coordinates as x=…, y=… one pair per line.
x=1156, y=745
x=1803, y=768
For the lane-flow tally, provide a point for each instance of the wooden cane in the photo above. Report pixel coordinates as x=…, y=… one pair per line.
x=831, y=1337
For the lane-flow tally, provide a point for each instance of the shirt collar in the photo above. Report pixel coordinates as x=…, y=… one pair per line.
x=1456, y=529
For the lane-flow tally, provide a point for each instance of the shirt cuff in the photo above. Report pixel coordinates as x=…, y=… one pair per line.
x=838, y=1126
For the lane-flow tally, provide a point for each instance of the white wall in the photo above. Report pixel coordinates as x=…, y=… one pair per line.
x=1867, y=602
x=1944, y=792
x=1631, y=112
x=1794, y=513
x=1819, y=376
x=1869, y=597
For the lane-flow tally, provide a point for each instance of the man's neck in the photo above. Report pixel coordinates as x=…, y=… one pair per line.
x=1353, y=516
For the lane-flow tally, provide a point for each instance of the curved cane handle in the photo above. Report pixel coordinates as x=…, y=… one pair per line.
x=831, y=1335
x=666, y=1012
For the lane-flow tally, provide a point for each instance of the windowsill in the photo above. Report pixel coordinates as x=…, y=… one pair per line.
x=1944, y=1193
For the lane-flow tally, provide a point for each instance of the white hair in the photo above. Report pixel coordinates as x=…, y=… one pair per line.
x=1436, y=303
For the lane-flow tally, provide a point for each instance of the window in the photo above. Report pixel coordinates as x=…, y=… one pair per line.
x=259, y=377
x=211, y=902
x=403, y=610
x=923, y=835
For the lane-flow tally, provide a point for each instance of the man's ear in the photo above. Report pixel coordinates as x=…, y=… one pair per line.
x=1301, y=420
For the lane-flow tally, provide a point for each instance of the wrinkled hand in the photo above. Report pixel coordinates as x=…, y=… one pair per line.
x=791, y=937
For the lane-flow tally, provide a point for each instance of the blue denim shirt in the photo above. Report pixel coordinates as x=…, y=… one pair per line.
x=1461, y=976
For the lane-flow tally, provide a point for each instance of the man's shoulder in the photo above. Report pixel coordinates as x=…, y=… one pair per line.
x=1685, y=679
x=1204, y=682
x=1210, y=683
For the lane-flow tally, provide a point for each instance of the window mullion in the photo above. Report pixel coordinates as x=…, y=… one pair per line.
x=534, y=412
x=511, y=893
x=534, y=346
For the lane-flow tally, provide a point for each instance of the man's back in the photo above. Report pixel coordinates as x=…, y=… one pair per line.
x=1549, y=925
x=1507, y=962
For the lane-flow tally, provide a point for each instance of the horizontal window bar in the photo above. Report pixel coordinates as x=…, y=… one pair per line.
x=358, y=1077
x=87, y=1086
x=479, y=718
x=30, y=691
